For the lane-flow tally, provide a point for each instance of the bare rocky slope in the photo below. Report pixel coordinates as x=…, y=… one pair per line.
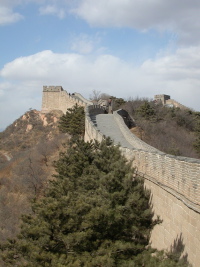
x=28, y=149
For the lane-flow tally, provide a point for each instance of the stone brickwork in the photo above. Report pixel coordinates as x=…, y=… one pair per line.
x=175, y=186
x=56, y=98
x=179, y=223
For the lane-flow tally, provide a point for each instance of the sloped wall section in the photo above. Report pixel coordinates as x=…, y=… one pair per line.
x=175, y=186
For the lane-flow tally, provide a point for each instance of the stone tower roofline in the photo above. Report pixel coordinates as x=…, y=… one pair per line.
x=52, y=88
x=161, y=98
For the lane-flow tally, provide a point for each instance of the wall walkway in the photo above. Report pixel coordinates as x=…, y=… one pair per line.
x=174, y=182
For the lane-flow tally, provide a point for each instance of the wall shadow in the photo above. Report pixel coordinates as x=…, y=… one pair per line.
x=177, y=251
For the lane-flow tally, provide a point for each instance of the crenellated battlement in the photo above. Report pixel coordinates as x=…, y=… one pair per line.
x=52, y=88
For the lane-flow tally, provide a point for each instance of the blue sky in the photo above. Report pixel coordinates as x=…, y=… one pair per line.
x=124, y=48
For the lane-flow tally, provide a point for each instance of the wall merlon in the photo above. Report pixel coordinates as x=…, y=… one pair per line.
x=52, y=88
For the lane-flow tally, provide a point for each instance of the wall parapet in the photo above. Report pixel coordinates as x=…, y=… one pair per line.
x=91, y=131
x=130, y=137
x=52, y=88
x=175, y=189
x=83, y=99
x=178, y=175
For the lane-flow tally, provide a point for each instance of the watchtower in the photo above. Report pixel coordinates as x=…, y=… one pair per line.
x=56, y=98
x=161, y=99
x=51, y=98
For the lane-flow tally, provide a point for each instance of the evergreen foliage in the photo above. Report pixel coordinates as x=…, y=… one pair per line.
x=117, y=102
x=146, y=110
x=73, y=122
x=94, y=214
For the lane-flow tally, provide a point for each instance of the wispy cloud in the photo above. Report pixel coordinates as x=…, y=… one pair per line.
x=52, y=10
x=143, y=15
x=84, y=43
x=8, y=16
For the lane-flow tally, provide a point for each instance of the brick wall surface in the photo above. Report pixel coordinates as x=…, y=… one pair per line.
x=55, y=98
x=175, y=187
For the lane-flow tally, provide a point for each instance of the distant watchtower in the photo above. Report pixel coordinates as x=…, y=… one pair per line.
x=165, y=100
x=161, y=99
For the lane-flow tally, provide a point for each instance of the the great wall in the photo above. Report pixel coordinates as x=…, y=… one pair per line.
x=174, y=181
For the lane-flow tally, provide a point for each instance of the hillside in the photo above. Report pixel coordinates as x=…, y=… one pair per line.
x=171, y=130
x=27, y=150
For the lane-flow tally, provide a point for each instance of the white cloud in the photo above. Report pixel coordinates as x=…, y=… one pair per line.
x=84, y=44
x=22, y=79
x=183, y=65
x=180, y=18
x=46, y=7
x=52, y=10
x=171, y=15
x=7, y=16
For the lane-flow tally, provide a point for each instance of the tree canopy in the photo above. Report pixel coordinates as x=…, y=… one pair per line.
x=94, y=214
x=73, y=122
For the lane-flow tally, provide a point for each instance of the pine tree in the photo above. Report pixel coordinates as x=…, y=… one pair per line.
x=93, y=214
x=146, y=111
x=73, y=122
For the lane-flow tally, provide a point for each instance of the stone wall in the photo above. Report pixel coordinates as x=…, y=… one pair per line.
x=181, y=225
x=91, y=131
x=174, y=103
x=130, y=137
x=55, y=98
x=174, y=181
x=167, y=101
x=175, y=186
